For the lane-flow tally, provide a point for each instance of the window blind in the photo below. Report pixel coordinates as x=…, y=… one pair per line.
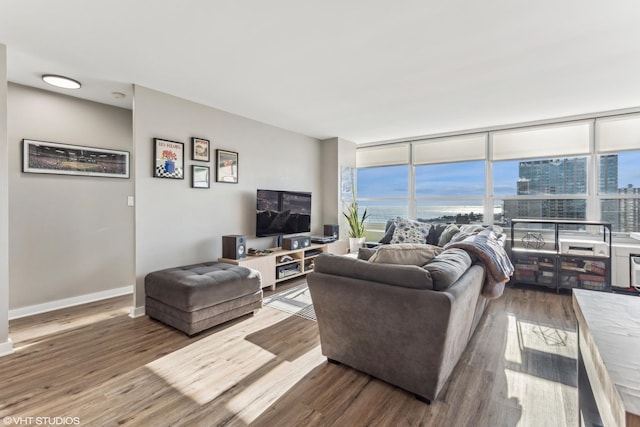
x=450, y=149
x=386, y=155
x=565, y=139
x=618, y=133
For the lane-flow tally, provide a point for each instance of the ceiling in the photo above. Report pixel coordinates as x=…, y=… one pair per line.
x=362, y=70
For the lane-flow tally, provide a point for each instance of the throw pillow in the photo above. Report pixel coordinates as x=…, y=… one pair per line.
x=406, y=254
x=448, y=267
x=366, y=253
x=434, y=234
x=447, y=234
x=409, y=231
x=389, y=229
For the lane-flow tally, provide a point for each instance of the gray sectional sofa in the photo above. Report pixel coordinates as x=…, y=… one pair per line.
x=395, y=316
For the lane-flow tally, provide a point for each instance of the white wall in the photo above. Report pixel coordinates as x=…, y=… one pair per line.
x=69, y=235
x=5, y=342
x=178, y=225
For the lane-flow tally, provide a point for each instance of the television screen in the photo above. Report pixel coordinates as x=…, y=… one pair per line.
x=282, y=212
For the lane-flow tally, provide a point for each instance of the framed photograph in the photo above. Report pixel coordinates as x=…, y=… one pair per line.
x=65, y=159
x=200, y=149
x=226, y=166
x=199, y=176
x=168, y=159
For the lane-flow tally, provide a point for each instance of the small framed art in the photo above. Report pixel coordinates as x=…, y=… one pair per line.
x=226, y=166
x=200, y=149
x=168, y=159
x=199, y=176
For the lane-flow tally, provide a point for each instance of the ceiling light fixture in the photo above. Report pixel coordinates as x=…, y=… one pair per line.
x=61, y=81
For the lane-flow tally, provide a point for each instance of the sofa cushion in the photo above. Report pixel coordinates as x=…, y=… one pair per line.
x=409, y=231
x=447, y=267
x=447, y=234
x=406, y=276
x=405, y=254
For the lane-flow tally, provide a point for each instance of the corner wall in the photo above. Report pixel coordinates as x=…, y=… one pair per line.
x=5, y=342
x=69, y=236
x=178, y=225
x=337, y=153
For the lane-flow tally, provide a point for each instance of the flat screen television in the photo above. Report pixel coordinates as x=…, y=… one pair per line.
x=282, y=212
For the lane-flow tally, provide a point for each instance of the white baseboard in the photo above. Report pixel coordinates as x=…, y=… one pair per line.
x=136, y=312
x=6, y=348
x=68, y=302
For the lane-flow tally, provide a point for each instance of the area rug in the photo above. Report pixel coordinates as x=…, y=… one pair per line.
x=296, y=300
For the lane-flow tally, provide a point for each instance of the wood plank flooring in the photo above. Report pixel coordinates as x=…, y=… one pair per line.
x=95, y=363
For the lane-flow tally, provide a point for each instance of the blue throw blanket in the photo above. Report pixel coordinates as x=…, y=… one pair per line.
x=489, y=249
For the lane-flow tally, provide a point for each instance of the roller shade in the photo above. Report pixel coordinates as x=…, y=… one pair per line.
x=450, y=149
x=386, y=155
x=618, y=133
x=565, y=139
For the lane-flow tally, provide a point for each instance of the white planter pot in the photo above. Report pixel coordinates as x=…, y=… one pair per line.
x=356, y=243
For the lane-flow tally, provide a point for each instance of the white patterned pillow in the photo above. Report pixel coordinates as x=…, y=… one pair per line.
x=409, y=231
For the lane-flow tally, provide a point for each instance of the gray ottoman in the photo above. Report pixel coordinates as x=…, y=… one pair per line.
x=196, y=297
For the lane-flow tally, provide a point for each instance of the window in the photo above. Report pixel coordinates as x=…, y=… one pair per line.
x=383, y=186
x=530, y=188
x=582, y=169
x=551, y=187
x=450, y=192
x=618, y=142
x=383, y=192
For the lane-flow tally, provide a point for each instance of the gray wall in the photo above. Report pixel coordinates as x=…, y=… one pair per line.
x=178, y=225
x=69, y=235
x=5, y=344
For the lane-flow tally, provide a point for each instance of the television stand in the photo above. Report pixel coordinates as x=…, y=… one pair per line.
x=284, y=264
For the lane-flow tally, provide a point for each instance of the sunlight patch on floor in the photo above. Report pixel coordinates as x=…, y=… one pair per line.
x=541, y=401
x=524, y=336
x=206, y=375
x=25, y=338
x=540, y=370
x=260, y=395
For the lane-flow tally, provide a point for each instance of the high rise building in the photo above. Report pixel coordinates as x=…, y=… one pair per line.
x=553, y=176
x=608, y=174
x=546, y=177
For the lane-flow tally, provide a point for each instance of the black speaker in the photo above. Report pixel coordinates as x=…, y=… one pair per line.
x=234, y=247
x=331, y=230
x=298, y=242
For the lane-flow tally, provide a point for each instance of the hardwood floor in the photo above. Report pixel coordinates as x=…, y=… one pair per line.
x=95, y=363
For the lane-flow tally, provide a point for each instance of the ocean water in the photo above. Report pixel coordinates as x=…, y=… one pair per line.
x=378, y=215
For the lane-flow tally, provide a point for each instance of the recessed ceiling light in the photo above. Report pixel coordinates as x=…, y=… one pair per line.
x=61, y=81
x=118, y=95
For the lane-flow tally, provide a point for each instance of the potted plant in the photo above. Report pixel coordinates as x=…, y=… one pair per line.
x=356, y=226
